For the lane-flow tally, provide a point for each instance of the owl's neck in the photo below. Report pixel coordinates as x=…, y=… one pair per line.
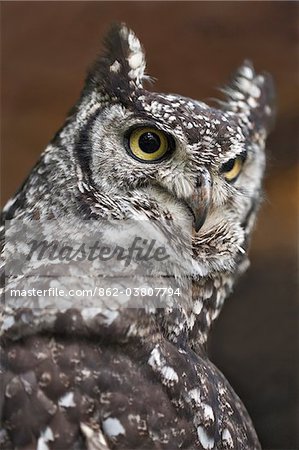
x=181, y=325
x=192, y=324
x=208, y=298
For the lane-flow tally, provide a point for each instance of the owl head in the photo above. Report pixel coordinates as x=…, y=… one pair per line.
x=127, y=152
x=164, y=155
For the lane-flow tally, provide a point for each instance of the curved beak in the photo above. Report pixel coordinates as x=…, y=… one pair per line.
x=200, y=200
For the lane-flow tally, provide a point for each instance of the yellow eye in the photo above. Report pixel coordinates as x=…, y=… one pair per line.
x=232, y=168
x=149, y=144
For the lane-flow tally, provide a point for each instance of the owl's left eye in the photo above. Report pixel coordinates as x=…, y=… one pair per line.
x=149, y=144
x=232, y=168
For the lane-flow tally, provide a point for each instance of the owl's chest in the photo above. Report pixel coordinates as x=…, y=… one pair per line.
x=151, y=395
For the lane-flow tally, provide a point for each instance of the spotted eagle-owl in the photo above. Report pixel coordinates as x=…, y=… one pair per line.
x=96, y=375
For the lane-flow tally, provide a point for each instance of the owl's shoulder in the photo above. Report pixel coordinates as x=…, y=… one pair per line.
x=135, y=393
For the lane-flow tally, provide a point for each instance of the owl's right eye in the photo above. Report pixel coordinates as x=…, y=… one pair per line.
x=149, y=145
x=232, y=168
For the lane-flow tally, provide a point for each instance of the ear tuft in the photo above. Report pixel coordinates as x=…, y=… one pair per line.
x=120, y=70
x=252, y=97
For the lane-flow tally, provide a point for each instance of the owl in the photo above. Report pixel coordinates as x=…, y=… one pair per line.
x=174, y=185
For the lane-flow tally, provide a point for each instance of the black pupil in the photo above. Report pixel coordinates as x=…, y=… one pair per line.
x=228, y=166
x=149, y=142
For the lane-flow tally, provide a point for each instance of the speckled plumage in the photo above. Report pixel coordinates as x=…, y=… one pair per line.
x=137, y=378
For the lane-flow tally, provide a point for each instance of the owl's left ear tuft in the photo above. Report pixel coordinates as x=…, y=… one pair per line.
x=121, y=69
x=252, y=97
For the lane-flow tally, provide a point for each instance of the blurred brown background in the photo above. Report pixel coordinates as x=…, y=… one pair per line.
x=192, y=47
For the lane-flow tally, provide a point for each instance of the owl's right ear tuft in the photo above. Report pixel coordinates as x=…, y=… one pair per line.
x=252, y=97
x=120, y=70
